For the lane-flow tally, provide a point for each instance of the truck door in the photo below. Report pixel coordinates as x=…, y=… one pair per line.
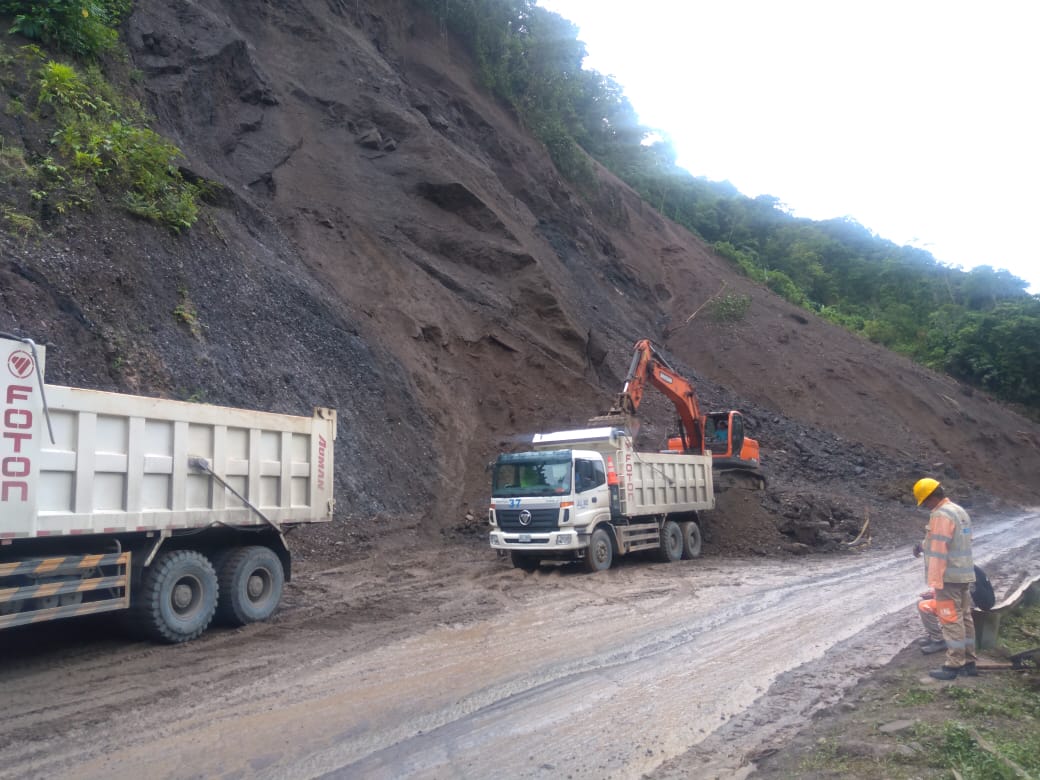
x=590, y=486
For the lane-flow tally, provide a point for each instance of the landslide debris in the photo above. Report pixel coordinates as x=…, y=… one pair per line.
x=382, y=236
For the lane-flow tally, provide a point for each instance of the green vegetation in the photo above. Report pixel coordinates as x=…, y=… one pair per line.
x=915, y=697
x=826, y=757
x=1003, y=751
x=984, y=727
x=85, y=28
x=99, y=139
x=1020, y=631
x=729, y=308
x=186, y=313
x=103, y=137
x=22, y=224
x=978, y=326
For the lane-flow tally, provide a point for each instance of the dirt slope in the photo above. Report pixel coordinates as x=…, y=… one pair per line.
x=388, y=240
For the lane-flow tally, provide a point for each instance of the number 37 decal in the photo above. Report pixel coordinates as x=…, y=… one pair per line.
x=514, y=502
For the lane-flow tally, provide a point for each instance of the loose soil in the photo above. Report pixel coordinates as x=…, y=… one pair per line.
x=383, y=237
x=413, y=662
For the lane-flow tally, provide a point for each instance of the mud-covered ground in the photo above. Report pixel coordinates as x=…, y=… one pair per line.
x=450, y=294
x=446, y=662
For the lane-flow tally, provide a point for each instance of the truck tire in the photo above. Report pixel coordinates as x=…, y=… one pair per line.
x=600, y=555
x=251, y=581
x=671, y=542
x=177, y=597
x=524, y=561
x=691, y=535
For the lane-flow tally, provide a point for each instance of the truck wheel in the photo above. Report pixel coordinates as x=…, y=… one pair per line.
x=600, y=555
x=691, y=534
x=177, y=598
x=524, y=561
x=671, y=542
x=251, y=581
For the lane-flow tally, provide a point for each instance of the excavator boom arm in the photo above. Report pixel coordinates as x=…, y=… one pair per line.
x=650, y=366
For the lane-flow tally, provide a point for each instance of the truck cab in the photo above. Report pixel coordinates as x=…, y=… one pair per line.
x=547, y=501
x=589, y=495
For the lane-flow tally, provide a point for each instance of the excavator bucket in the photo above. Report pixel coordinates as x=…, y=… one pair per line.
x=739, y=478
x=616, y=419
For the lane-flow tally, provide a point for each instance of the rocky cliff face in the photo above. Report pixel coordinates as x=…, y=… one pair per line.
x=385, y=238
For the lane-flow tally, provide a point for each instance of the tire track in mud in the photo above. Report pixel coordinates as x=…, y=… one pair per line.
x=433, y=667
x=819, y=613
x=1007, y=549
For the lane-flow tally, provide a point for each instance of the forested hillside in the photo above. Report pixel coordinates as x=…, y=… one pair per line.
x=979, y=326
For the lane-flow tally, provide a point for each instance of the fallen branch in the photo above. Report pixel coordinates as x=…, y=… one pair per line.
x=863, y=530
x=669, y=331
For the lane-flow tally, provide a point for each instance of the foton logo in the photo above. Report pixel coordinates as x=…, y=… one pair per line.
x=322, y=444
x=17, y=428
x=20, y=364
x=630, y=485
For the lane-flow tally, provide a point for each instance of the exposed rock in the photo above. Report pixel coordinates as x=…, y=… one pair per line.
x=371, y=139
x=365, y=190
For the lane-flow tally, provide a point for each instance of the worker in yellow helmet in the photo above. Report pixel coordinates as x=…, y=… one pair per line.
x=950, y=573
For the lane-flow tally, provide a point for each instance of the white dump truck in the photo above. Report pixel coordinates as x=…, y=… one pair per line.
x=589, y=495
x=176, y=512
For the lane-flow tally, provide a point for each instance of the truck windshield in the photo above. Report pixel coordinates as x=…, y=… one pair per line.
x=541, y=477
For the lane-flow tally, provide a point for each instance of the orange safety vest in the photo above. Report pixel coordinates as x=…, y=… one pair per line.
x=947, y=546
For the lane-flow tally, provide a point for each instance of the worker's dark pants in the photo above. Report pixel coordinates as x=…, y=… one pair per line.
x=953, y=607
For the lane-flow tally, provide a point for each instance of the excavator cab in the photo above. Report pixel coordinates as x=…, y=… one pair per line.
x=724, y=433
x=724, y=438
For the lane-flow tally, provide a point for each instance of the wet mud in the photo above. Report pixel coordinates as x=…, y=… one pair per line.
x=432, y=665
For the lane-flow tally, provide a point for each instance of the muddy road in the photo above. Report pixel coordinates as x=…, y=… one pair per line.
x=454, y=665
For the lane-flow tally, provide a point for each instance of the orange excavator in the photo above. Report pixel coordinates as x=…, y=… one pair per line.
x=734, y=454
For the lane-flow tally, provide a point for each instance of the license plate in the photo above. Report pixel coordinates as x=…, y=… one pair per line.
x=525, y=537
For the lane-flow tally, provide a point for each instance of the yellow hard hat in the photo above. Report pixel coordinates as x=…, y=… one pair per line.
x=924, y=488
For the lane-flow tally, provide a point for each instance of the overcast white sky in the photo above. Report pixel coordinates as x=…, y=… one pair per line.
x=917, y=118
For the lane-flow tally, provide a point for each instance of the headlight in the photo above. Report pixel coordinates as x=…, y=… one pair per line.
x=563, y=539
x=494, y=539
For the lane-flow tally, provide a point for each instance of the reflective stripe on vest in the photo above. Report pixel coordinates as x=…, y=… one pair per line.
x=959, y=566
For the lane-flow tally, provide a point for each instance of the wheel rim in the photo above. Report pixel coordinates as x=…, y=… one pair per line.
x=694, y=540
x=599, y=551
x=186, y=596
x=258, y=587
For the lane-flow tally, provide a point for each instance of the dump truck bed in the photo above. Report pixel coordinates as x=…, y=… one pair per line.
x=123, y=463
x=657, y=483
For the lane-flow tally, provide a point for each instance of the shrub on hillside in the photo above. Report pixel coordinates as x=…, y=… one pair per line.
x=85, y=28
x=102, y=135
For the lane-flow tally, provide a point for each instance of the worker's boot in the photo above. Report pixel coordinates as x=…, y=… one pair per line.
x=969, y=670
x=945, y=673
x=933, y=646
